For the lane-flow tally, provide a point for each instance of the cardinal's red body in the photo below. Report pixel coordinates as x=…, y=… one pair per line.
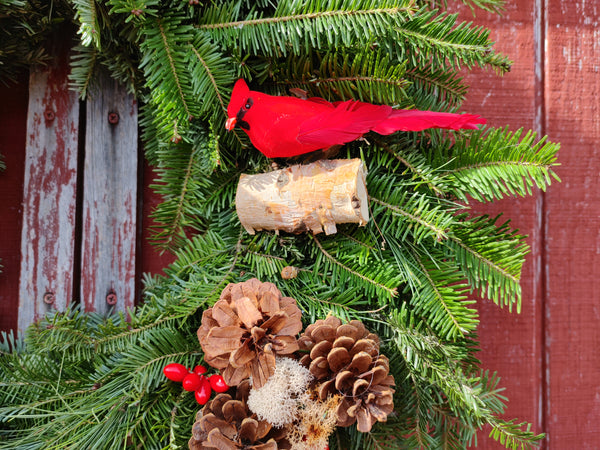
x=281, y=127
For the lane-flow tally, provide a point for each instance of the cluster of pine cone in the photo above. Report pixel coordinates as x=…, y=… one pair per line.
x=251, y=325
x=345, y=359
x=225, y=422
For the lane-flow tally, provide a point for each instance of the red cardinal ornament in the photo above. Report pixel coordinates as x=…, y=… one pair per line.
x=280, y=127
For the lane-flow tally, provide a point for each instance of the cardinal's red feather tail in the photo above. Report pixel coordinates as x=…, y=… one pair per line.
x=415, y=120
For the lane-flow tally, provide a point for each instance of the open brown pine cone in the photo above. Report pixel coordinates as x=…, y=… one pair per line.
x=247, y=328
x=226, y=423
x=345, y=359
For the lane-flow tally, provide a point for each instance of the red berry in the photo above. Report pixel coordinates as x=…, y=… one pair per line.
x=218, y=383
x=175, y=371
x=199, y=370
x=192, y=381
x=203, y=393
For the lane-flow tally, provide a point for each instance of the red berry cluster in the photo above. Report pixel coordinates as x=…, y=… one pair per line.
x=195, y=380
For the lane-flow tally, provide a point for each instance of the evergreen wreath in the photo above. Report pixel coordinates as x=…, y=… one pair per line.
x=83, y=381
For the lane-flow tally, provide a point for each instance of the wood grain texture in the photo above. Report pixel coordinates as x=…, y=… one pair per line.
x=511, y=343
x=108, y=262
x=49, y=202
x=556, y=383
x=572, y=87
x=13, y=121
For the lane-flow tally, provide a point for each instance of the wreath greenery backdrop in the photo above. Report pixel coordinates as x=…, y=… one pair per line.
x=80, y=380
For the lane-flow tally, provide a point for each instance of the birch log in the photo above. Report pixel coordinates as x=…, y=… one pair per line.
x=313, y=197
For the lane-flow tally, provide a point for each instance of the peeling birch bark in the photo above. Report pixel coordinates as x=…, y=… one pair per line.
x=313, y=197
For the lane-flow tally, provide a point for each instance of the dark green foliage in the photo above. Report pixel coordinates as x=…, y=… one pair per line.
x=83, y=381
x=365, y=75
x=495, y=163
x=24, y=27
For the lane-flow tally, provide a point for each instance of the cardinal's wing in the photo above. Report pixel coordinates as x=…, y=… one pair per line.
x=346, y=122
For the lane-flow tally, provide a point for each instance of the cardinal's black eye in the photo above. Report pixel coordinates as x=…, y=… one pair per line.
x=242, y=112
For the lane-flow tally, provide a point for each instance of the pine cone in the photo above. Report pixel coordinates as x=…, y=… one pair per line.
x=345, y=359
x=227, y=424
x=244, y=331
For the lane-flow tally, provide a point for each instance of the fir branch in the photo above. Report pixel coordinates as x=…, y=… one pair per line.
x=441, y=89
x=296, y=24
x=514, y=435
x=438, y=232
x=163, y=50
x=89, y=29
x=358, y=240
x=169, y=53
x=228, y=263
x=429, y=39
x=426, y=356
x=306, y=16
x=172, y=226
x=121, y=341
x=492, y=163
x=491, y=257
x=378, y=286
x=416, y=163
x=83, y=67
x=319, y=300
x=191, y=193
x=442, y=299
x=402, y=210
x=263, y=265
x=212, y=73
x=211, y=77
x=487, y=262
x=24, y=28
x=366, y=74
x=475, y=399
x=135, y=9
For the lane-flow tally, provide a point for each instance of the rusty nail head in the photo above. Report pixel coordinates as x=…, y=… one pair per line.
x=49, y=298
x=49, y=115
x=111, y=298
x=113, y=118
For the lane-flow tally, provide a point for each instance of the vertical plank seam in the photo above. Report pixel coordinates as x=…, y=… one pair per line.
x=78, y=247
x=139, y=235
x=540, y=29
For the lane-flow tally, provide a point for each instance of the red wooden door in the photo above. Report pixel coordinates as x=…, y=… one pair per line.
x=547, y=356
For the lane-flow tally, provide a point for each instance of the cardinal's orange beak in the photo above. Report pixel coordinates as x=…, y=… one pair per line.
x=230, y=124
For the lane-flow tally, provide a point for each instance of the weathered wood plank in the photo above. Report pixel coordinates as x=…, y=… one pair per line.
x=13, y=121
x=511, y=343
x=49, y=194
x=108, y=265
x=573, y=225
